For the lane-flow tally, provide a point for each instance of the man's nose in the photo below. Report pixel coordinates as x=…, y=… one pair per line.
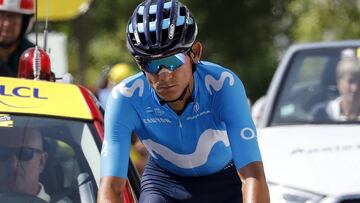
x=165, y=74
x=14, y=161
x=5, y=21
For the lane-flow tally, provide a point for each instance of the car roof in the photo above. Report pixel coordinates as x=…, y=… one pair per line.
x=43, y=98
x=325, y=44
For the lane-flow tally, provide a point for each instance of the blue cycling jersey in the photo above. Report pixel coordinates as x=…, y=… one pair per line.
x=215, y=127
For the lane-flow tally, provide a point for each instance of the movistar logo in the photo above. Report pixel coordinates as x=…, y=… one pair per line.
x=128, y=91
x=217, y=85
x=198, y=157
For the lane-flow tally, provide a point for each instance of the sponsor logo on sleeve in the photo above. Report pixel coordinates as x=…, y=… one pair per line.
x=211, y=82
x=128, y=91
x=247, y=133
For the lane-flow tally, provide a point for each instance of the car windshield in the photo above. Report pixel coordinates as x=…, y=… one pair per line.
x=51, y=158
x=310, y=91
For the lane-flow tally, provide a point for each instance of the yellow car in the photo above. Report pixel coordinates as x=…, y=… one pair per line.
x=50, y=141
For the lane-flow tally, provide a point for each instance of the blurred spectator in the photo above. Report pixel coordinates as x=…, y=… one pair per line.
x=138, y=153
x=257, y=109
x=346, y=107
x=15, y=17
x=113, y=76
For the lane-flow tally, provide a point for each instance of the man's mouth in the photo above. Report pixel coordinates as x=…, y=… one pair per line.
x=164, y=87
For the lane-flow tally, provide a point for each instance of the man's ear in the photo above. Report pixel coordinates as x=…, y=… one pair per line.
x=43, y=160
x=196, y=51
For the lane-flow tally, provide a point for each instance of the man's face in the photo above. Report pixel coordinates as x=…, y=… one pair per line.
x=169, y=85
x=21, y=161
x=10, y=27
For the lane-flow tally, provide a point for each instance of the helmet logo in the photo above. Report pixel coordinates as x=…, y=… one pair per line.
x=171, y=31
x=18, y=6
x=137, y=38
x=11, y=4
x=187, y=18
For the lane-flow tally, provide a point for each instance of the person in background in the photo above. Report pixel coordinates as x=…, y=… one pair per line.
x=346, y=107
x=138, y=154
x=115, y=74
x=15, y=21
x=22, y=160
x=258, y=109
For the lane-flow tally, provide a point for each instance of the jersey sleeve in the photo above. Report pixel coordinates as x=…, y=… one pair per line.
x=120, y=119
x=234, y=111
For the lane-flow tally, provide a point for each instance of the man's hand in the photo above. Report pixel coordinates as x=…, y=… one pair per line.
x=254, y=189
x=110, y=190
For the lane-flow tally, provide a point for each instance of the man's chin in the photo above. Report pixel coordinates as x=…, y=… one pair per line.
x=167, y=98
x=8, y=44
x=10, y=188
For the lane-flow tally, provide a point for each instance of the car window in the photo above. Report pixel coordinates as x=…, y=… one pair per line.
x=310, y=69
x=69, y=151
x=310, y=82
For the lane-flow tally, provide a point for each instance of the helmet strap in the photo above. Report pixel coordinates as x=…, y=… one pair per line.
x=191, y=54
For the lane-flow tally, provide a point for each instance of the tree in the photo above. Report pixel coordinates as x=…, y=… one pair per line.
x=323, y=20
x=237, y=34
x=240, y=35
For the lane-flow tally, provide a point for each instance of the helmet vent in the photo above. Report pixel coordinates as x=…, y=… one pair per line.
x=166, y=13
x=182, y=11
x=152, y=17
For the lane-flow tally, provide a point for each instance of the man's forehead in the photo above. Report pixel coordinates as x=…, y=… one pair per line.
x=14, y=135
x=9, y=13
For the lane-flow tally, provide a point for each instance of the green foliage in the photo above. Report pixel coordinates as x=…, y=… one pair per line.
x=240, y=35
x=318, y=20
x=236, y=34
x=245, y=35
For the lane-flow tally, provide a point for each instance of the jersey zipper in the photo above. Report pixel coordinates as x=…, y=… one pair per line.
x=180, y=124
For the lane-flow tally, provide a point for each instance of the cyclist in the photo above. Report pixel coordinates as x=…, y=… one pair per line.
x=15, y=21
x=193, y=117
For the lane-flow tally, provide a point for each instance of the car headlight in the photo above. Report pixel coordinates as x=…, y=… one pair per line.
x=283, y=194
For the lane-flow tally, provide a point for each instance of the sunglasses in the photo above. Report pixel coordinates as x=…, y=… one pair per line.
x=171, y=63
x=21, y=153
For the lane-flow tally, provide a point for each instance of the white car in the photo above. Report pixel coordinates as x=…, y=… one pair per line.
x=306, y=159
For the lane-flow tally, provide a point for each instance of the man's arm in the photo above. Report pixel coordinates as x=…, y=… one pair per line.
x=110, y=190
x=254, y=189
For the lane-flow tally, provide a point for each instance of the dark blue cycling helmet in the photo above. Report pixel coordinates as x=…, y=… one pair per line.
x=160, y=28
